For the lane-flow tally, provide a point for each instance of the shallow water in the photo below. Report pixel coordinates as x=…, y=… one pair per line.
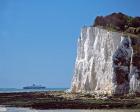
x=14, y=109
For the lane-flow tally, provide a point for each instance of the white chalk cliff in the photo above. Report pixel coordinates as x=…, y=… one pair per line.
x=107, y=62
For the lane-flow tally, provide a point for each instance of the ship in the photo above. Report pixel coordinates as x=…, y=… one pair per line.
x=34, y=87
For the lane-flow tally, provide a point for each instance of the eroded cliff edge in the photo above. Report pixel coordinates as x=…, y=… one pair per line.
x=107, y=62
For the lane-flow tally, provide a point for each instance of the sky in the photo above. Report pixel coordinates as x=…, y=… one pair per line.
x=38, y=38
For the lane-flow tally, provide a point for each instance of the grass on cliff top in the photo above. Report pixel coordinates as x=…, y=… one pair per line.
x=126, y=34
x=131, y=35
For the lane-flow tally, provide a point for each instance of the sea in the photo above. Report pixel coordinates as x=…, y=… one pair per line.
x=16, y=109
x=12, y=90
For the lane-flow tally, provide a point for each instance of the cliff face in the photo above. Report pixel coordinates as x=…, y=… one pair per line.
x=107, y=62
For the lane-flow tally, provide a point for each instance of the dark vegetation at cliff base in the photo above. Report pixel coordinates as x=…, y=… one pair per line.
x=62, y=100
x=119, y=22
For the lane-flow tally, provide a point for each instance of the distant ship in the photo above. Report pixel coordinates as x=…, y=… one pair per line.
x=34, y=87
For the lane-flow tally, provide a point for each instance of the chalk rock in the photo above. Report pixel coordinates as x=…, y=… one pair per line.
x=107, y=62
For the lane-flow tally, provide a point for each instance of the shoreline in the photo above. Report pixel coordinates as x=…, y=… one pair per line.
x=61, y=100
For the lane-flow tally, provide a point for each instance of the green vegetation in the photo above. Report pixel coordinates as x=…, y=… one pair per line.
x=119, y=22
x=129, y=19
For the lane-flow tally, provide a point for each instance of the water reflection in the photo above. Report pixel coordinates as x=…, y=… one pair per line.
x=12, y=109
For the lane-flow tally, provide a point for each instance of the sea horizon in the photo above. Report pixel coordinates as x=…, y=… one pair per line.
x=12, y=90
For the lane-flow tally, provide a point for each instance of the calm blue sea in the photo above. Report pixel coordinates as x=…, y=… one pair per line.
x=11, y=90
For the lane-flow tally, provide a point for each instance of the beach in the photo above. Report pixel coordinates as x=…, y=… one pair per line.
x=63, y=100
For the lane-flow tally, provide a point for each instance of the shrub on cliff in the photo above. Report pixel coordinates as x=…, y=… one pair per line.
x=119, y=22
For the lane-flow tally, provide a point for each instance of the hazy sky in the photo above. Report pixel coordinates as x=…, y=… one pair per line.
x=38, y=37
